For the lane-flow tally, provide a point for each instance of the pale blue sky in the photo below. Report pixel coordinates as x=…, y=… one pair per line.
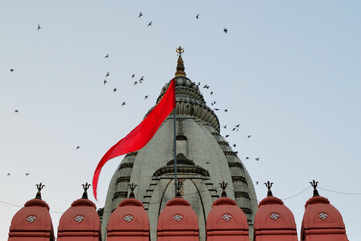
x=289, y=71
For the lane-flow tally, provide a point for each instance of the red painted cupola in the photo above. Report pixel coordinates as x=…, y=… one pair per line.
x=273, y=220
x=129, y=222
x=226, y=221
x=33, y=221
x=178, y=221
x=81, y=221
x=321, y=220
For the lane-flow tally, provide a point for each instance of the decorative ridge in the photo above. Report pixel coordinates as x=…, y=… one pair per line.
x=317, y=199
x=270, y=200
x=83, y=202
x=178, y=201
x=36, y=202
x=224, y=201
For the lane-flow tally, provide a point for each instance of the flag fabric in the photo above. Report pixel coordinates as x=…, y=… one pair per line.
x=140, y=135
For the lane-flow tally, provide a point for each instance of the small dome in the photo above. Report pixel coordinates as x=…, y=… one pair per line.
x=322, y=221
x=128, y=222
x=80, y=222
x=32, y=222
x=178, y=222
x=226, y=221
x=274, y=221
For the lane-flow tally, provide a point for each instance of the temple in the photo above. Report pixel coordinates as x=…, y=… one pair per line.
x=215, y=199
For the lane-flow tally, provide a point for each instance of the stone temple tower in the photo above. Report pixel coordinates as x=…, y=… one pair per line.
x=204, y=159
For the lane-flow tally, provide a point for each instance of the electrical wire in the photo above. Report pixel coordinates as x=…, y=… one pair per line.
x=339, y=192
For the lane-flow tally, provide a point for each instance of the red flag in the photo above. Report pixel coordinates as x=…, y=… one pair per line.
x=140, y=135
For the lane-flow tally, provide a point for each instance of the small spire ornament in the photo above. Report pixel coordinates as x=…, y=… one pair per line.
x=132, y=187
x=269, y=185
x=179, y=187
x=85, y=188
x=223, y=186
x=314, y=184
x=180, y=63
x=40, y=187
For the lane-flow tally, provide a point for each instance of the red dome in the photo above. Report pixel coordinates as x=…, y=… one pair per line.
x=129, y=222
x=80, y=222
x=322, y=221
x=274, y=221
x=32, y=223
x=226, y=221
x=178, y=222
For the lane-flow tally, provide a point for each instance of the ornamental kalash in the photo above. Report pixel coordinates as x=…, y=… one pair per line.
x=182, y=183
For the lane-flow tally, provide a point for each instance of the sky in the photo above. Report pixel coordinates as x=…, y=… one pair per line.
x=288, y=71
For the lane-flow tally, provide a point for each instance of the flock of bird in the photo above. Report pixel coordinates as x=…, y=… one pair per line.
x=140, y=81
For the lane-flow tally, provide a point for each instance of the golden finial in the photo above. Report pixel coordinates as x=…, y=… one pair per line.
x=180, y=64
x=180, y=51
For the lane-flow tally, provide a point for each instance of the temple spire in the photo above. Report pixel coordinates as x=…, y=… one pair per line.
x=39, y=187
x=314, y=184
x=180, y=63
x=223, y=186
x=269, y=187
x=132, y=187
x=85, y=190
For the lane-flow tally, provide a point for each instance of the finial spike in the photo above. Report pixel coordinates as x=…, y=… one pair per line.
x=223, y=185
x=40, y=187
x=132, y=187
x=314, y=184
x=85, y=186
x=269, y=186
x=180, y=63
x=179, y=187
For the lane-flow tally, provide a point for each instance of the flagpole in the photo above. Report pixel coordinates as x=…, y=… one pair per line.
x=175, y=148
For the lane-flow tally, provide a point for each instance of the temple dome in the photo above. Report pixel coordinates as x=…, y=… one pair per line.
x=205, y=160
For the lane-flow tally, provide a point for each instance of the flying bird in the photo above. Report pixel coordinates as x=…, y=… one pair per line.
x=257, y=182
x=216, y=109
x=8, y=174
x=149, y=24
x=234, y=145
x=140, y=14
x=38, y=27
x=133, y=75
x=141, y=79
x=106, y=56
x=225, y=30
x=247, y=157
x=197, y=16
x=105, y=82
x=249, y=136
x=16, y=111
x=225, y=110
x=237, y=125
x=234, y=128
x=107, y=74
x=115, y=90
x=211, y=93
x=77, y=147
x=146, y=97
x=12, y=70
x=135, y=82
x=257, y=158
x=225, y=126
x=227, y=136
x=123, y=103
x=27, y=174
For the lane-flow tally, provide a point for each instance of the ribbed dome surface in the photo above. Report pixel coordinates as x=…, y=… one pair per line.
x=207, y=160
